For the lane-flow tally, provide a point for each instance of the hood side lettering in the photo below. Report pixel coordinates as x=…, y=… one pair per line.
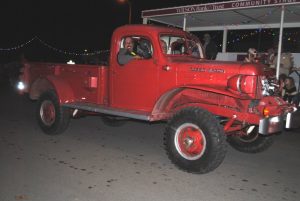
x=209, y=70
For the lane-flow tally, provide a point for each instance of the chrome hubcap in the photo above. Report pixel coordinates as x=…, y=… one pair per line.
x=190, y=141
x=47, y=113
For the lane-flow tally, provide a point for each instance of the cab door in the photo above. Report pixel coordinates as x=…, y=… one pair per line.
x=134, y=86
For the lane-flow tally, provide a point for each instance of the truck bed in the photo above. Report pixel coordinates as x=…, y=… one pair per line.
x=88, y=82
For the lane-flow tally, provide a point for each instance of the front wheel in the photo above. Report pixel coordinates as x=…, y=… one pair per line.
x=251, y=142
x=51, y=117
x=195, y=141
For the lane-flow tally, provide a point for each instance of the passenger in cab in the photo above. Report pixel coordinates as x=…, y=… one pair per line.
x=164, y=46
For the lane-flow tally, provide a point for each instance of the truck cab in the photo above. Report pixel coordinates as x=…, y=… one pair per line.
x=129, y=82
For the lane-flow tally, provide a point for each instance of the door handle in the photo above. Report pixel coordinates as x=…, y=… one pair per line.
x=166, y=68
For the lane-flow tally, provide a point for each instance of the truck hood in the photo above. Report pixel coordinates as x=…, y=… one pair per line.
x=226, y=66
x=191, y=71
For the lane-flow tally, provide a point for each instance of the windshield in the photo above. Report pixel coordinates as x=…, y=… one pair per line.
x=179, y=45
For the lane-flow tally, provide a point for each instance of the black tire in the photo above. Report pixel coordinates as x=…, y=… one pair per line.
x=113, y=121
x=195, y=141
x=51, y=117
x=251, y=143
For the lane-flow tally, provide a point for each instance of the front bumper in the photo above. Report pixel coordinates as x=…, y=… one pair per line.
x=278, y=123
x=293, y=120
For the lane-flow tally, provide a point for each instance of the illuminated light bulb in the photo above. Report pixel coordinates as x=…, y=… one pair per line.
x=20, y=86
x=70, y=62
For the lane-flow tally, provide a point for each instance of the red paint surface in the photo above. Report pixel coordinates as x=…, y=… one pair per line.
x=148, y=86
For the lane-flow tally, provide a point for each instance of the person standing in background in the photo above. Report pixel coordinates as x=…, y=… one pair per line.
x=210, y=47
x=290, y=93
x=251, y=56
x=270, y=60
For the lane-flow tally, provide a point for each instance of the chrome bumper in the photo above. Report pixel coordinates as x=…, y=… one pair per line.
x=293, y=119
x=276, y=124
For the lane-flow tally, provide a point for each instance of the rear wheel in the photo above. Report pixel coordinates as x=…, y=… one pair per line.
x=195, y=141
x=252, y=142
x=52, y=118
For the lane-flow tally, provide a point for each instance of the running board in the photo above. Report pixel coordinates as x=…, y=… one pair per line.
x=111, y=111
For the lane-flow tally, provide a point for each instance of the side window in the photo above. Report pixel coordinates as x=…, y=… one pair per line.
x=180, y=46
x=165, y=44
x=139, y=45
x=144, y=48
x=172, y=45
x=134, y=47
x=177, y=47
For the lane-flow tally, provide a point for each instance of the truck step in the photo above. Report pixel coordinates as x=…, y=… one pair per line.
x=140, y=115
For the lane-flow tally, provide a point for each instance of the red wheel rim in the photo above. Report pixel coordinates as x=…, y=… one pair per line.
x=190, y=141
x=47, y=113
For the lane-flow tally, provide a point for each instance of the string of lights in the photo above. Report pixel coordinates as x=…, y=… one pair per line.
x=85, y=53
x=17, y=46
x=292, y=37
x=288, y=36
x=71, y=53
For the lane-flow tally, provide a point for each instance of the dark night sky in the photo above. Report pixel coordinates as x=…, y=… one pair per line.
x=71, y=24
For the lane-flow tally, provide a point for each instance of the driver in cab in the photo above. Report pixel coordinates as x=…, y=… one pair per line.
x=127, y=53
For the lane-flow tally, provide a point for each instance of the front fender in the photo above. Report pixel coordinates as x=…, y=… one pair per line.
x=186, y=96
x=165, y=101
x=218, y=90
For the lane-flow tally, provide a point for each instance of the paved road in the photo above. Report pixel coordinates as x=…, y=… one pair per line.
x=92, y=162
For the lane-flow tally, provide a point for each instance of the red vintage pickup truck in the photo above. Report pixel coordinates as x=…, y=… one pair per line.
x=204, y=103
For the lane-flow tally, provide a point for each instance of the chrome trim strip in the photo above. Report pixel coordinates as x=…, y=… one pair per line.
x=238, y=84
x=99, y=109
